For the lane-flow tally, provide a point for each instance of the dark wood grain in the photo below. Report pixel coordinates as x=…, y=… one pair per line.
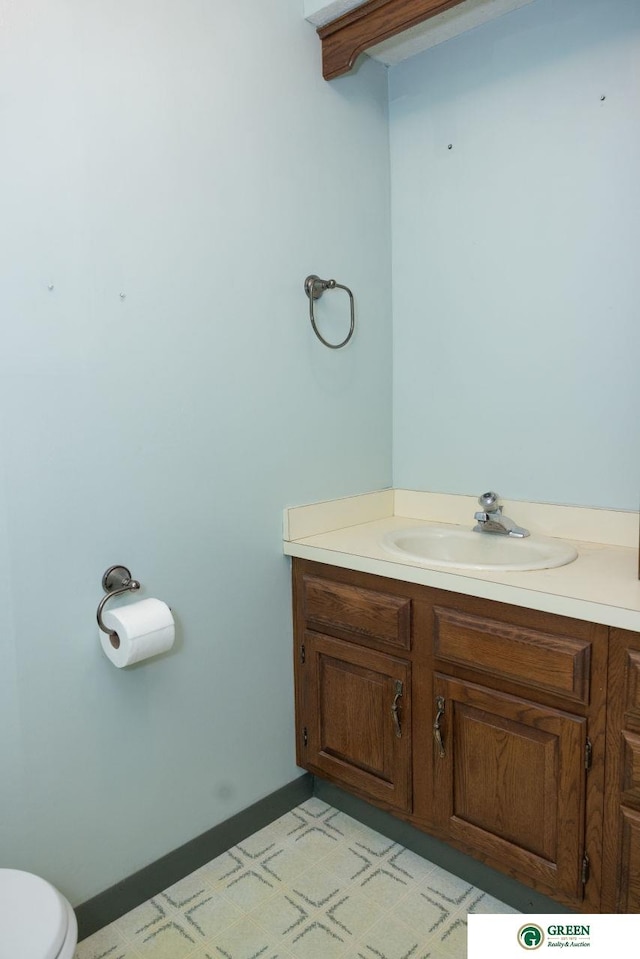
x=630, y=771
x=512, y=783
x=345, y=38
x=559, y=664
x=621, y=862
x=365, y=615
x=351, y=734
x=628, y=890
x=518, y=796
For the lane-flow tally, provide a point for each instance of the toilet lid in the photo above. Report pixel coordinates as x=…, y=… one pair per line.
x=33, y=917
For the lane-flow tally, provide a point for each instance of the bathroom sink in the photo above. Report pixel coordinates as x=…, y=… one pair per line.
x=457, y=548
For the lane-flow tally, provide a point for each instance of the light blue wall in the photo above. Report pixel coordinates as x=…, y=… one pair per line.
x=189, y=155
x=516, y=286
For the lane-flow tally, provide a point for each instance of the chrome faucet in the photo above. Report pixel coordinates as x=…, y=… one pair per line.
x=491, y=519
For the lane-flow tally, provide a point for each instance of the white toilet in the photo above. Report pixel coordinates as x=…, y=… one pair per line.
x=36, y=921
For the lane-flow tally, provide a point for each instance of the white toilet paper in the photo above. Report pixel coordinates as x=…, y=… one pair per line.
x=143, y=629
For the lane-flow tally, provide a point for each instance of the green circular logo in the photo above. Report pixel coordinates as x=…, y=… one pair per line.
x=530, y=936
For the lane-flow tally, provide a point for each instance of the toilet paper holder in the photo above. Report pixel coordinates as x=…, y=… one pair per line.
x=116, y=580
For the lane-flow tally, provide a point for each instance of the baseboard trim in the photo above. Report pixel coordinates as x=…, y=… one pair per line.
x=109, y=905
x=114, y=902
x=502, y=887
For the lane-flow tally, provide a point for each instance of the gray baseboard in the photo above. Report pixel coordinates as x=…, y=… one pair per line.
x=475, y=873
x=109, y=905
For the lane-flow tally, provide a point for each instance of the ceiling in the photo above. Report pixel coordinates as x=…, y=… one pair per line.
x=444, y=26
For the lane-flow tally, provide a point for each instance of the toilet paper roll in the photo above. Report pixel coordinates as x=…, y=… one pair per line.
x=142, y=629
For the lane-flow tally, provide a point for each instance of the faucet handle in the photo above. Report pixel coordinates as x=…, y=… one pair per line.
x=489, y=501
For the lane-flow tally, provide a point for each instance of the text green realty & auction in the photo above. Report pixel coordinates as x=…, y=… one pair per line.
x=531, y=936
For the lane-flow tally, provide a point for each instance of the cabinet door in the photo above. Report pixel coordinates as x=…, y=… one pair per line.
x=621, y=872
x=510, y=783
x=357, y=718
x=628, y=892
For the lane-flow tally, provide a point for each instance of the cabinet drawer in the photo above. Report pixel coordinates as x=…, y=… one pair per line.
x=364, y=615
x=628, y=891
x=556, y=664
x=630, y=770
x=632, y=701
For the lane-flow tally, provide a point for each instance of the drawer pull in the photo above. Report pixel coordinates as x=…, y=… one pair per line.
x=437, y=735
x=395, y=709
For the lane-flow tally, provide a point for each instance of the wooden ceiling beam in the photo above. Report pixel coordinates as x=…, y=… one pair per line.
x=345, y=38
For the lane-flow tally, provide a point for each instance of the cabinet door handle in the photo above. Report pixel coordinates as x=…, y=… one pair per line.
x=395, y=708
x=437, y=735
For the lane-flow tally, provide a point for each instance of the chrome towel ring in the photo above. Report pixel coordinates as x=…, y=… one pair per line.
x=314, y=287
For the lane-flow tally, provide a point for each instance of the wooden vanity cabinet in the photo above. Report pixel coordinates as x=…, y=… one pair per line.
x=621, y=871
x=353, y=687
x=480, y=723
x=510, y=785
x=519, y=720
x=357, y=729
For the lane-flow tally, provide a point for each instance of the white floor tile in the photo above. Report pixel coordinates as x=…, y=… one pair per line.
x=315, y=884
x=107, y=941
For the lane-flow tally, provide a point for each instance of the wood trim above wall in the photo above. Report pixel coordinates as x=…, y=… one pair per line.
x=345, y=38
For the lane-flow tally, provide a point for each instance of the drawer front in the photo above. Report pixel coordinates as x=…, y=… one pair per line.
x=628, y=893
x=632, y=700
x=556, y=664
x=364, y=615
x=630, y=770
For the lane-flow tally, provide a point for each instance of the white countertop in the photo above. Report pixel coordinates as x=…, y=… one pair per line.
x=600, y=586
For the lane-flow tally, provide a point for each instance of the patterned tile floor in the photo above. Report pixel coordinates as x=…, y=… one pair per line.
x=315, y=884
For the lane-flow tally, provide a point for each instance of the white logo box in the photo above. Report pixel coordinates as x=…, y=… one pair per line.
x=514, y=936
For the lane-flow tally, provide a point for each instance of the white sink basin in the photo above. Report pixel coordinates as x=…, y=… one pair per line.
x=457, y=548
